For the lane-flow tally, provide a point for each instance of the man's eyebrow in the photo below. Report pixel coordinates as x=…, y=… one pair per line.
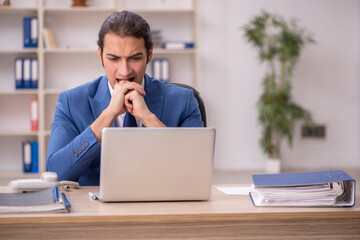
x=136, y=54
x=131, y=56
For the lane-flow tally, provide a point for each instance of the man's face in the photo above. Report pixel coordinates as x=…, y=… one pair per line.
x=124, y=58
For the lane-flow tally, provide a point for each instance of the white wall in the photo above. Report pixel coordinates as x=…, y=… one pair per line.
x=326, y=82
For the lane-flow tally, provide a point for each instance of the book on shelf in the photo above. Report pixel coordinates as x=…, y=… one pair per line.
x=178, y=45
x=26, y=73
x=30, y=32
x=30, y=151
x=161, y=69
x=49, y=38
x=48, y=200
x=306, y=189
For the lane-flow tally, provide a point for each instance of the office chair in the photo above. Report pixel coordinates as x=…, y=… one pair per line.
x=198, y=98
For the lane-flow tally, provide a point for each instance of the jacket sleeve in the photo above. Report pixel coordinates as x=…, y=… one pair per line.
x=71, y=150
x=192, y=116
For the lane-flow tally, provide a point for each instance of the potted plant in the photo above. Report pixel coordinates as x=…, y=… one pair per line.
x=279, y=44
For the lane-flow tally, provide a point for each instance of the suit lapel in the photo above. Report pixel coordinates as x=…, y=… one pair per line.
x=153, y=100
x=101, y=99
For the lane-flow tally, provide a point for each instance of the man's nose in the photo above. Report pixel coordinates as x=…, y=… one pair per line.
x=123, y=69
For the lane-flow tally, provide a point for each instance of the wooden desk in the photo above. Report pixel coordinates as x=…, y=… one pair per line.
x=223, y=217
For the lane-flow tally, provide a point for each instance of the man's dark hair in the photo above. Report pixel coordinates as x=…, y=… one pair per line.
x=126, y=24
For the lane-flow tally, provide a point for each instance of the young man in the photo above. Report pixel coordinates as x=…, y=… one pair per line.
x=125, y=49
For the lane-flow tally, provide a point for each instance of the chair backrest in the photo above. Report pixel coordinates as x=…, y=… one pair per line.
x=198, y=98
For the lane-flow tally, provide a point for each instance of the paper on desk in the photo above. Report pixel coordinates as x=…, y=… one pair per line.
x=235, y=190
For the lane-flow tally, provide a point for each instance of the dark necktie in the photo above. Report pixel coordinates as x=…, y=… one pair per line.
x=129, y=120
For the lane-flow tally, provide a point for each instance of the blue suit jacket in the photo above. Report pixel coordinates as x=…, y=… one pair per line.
x=74, y=153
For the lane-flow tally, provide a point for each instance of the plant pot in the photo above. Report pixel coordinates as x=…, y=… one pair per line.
x=79, y=3
x=273, y=165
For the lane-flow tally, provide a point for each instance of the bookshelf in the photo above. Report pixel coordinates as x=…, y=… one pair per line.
x=75, y=59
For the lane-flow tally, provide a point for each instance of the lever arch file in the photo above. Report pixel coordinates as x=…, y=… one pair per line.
x=34, y=73
x=306, y=189
x=30, y=30
x=18, y=73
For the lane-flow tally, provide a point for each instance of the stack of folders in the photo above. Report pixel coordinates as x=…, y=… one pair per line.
x=161, y=69
x=26, y=73
x=48, y=200
x=307, y=189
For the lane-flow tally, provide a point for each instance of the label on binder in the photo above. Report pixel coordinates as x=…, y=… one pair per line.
x=34, y=32
x=34, y=73
x=34, y=119
x=27, y=156
x=19, y=73
x=165, y=70
x=27, y=72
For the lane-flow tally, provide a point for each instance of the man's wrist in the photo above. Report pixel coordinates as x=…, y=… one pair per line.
x=150, y=120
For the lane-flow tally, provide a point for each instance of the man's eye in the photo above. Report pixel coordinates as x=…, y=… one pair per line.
x=113, y=59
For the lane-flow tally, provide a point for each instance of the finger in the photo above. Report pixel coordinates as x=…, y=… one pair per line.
x=129, y=106
x=129, y=100
x=128, y=86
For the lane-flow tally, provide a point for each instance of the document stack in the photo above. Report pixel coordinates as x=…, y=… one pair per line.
x=48, y=200
x=307, y=189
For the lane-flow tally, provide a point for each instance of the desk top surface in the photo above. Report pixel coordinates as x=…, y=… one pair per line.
x=219, y=207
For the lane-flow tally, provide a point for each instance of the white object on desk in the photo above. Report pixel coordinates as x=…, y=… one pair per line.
x=235, y=190
x=31, y=184
x=48, y=180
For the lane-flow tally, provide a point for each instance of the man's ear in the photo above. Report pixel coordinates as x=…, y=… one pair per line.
x=100, y=56
x=150, y=54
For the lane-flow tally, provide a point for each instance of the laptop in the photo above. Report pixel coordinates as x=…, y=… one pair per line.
x=156, y=164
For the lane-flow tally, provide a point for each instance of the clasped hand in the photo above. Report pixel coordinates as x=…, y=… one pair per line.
x=128, y=96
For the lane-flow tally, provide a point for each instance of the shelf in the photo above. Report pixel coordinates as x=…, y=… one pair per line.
x=17, y=10
x=19, y=92
x=71, y=50
x=161, y=11
x=91, y=50
x=79, y=10
x=20, y=50
x=19, y=133
x=167, y=51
